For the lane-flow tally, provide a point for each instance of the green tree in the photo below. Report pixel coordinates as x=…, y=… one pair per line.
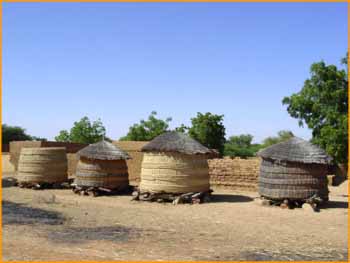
x=209, y=130
x=63, y=136
x=241, y=146
x=36, y=138
x=182, y=128
x=147, y=130
x=83, y=131
x=282, y=136
x=16, y=133
x=243, y=140
x=322, y=104
x=13, y=133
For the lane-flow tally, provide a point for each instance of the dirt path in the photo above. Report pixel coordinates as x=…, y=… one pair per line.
x=58, y=225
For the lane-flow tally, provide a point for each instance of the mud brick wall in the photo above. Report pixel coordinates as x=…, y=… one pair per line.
x=133, y=148
x=240, y=174
x=227, y=173
x=70, y=147
x=7, y=167
x=72, y=160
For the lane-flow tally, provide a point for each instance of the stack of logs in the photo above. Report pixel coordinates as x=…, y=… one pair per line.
x=98, y=191
x=189, y=198
x=43, y=185
x=314, y=202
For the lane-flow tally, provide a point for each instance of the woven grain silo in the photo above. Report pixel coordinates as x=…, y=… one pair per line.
x=42, y=166
x=174, y=163
x=103, y=166
x=293, y=170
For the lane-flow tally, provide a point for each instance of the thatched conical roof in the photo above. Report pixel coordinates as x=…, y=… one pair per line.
x=296, y=150
x=175, y=142
x=103, y=151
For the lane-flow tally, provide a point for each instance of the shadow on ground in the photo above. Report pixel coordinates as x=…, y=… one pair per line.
x=8, y=182
x=14, y=213
x=294, y=256
x=335, y=204
x=220, y=198
x=85, y=234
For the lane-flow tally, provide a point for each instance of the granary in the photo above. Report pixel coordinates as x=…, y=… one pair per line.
x=42, y=167
x=294, y=172
x=174, y=168
x=101, y=168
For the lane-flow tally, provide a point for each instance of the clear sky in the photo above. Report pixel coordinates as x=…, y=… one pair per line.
x=120, y=61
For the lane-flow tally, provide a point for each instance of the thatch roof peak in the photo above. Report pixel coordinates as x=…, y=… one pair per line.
x=296, y=150
x=103, y=150
x=175, y=142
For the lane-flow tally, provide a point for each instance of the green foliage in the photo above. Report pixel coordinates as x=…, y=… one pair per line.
x=243, y=140
x=63, y=136
x=147, y=130
x=283, y=135
x=16, y=133
x=241, y=146
x=35, y=138
x=182, y=128
x=13, y=133
x=83, y=131
x=209, y=130
x=322, y=104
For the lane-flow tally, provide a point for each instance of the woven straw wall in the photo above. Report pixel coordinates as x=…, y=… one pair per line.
x=133, y=148
x=241, y=174
x=15, y=150
x=290, y=180
x=102, y=173
x=39, y=165
x=16, y=146
x=174, y=173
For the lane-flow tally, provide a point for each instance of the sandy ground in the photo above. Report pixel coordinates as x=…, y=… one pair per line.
x=48, y=225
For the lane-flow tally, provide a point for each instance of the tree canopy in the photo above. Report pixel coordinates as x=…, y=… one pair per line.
x=282, y=136
x=322, y=104
x=16, y=133
x=241, y=146
x=147, y=130
x=209, y=130
x=83, y=131
x=182, y=128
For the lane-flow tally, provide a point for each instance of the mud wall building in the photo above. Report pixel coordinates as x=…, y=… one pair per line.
x=234, y=173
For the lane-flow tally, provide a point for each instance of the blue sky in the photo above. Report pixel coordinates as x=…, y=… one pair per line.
x=120, y=61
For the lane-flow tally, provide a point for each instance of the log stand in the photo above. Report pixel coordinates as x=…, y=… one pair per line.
x=314, y=202
x=99, y=191
x=43, y=185
x=187, y=198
